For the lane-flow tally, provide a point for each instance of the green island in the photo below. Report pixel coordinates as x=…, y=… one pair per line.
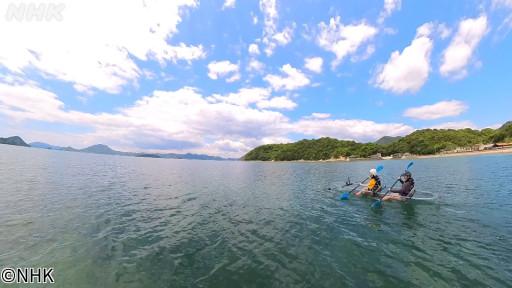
x=421, y=142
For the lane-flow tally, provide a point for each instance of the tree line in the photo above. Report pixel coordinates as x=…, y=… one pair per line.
x=420, y=142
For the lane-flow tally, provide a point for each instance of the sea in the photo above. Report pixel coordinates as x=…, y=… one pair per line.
x=117, y=221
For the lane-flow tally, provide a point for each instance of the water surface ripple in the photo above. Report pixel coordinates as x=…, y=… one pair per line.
x=110, y=221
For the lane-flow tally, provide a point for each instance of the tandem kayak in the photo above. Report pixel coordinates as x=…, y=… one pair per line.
x=418, y=195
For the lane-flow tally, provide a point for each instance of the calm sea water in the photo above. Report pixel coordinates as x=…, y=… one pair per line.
x=111, y=221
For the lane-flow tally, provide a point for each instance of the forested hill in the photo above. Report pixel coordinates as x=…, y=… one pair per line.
x=387, y=140
x=420, y=142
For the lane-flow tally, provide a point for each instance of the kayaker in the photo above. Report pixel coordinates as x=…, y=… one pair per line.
x=374, y=185
x=404, y=191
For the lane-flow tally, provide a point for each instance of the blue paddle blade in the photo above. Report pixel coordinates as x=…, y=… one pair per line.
x=344, y=196
x=377, y=204
x=409, y=166
x=379, y=168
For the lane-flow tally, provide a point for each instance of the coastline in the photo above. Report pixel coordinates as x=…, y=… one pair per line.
x=444, y=155
x=473, y=153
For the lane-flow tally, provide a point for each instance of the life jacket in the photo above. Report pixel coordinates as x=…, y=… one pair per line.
x=374, y=185
x=412, y=183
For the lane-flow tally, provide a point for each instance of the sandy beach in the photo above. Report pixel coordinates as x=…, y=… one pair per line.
x=445, y=155
x=485, y=152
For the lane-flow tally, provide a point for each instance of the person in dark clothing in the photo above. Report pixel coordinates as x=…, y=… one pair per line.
x=404, y=191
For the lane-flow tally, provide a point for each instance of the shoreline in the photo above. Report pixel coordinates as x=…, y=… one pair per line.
x=445, y=155
x=473, y=153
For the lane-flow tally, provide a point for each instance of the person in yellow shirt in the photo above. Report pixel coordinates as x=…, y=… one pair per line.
x=373, y=187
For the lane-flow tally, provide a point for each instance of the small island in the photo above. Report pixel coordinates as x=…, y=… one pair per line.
x=421, y=143
x=149, y=155
x=15, y=140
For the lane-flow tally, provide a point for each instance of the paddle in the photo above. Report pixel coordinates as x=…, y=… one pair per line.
x=378, y=203
x=348, y=183
x=346, y=195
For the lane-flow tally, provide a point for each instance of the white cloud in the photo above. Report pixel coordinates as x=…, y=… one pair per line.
x=284, y=37
x=314, y=64
x=407, y=71
x=460, y=51
x=221, y=69
x=186, y=121
x=343, y=40
x=181, y=120
x=362, y=130
x=271, y=36
x=455, y=125
x=438, y=110
x=390, y=6
x=504, y=3
x=281, y=102
x=255, y=65
x=318, y=116
x=254, y=49
x=293, y=79
x=444, y=31
x=254, y=19
x=96, y=44
x=507, y=22
x=370, y=49
x=244, y=97
x=229, y=4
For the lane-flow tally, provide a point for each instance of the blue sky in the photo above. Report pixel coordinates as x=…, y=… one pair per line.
x=221, y=77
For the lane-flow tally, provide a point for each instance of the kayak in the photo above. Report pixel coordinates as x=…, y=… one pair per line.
x=418, y=195
x=421, y=196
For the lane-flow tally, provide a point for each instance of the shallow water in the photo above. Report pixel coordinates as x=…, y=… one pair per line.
x=112, y=221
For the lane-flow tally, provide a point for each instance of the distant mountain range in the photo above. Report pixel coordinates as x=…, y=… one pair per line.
x=104, y=149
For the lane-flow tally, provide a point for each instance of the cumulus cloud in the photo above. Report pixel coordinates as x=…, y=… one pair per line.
x=343, y=40
x=353, y=129
x=293, y=79
x=229, y=4
x=222, y=69
x=390, y=6
x=314, y=64
x=97, y=44
x=183, y=120
x=370, y=49
x=460, y=51
x=244, y=97
x=284, y=37
x=271, y=36
x=443, y=31
x=255, y=65
x=438, y=110
x=281, y=102
x=165, y=120
x=254, y=49
x=260, y=97
x=318, y=116
x=407, y=71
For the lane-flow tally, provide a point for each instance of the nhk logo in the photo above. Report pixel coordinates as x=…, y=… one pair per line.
x=34, y=11
x=27, y=275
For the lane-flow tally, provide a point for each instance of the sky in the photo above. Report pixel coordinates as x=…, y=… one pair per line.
x=222, y=77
